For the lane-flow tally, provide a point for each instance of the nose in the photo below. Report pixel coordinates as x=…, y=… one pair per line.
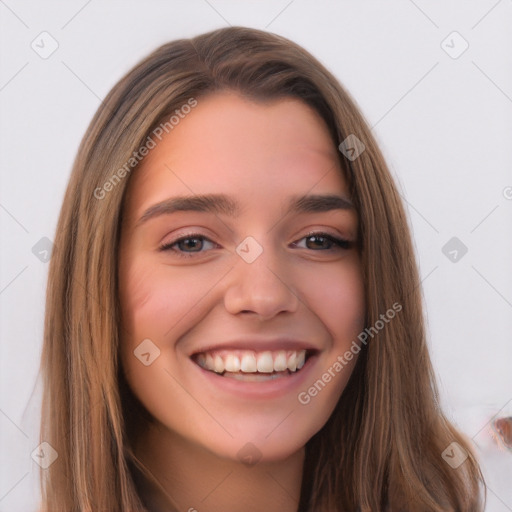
x=260, y=288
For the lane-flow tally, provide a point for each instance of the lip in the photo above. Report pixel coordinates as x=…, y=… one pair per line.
x=258, y=390
x=259, y=345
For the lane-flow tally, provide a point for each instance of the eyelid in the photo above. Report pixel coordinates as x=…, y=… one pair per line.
x=340, y=241
x=166, y=246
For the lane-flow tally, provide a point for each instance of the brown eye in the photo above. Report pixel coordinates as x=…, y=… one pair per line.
x=190, y=244
x=318, y=242
x=322, y=242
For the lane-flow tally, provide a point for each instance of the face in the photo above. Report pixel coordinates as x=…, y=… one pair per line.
x=240, y=279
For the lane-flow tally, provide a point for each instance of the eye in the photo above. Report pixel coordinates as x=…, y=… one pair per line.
x=187, y=245
x=323, y=242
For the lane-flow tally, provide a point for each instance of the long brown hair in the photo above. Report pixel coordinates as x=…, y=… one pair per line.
x=382, y=447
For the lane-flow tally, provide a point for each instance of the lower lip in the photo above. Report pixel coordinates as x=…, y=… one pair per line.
x=266, y=389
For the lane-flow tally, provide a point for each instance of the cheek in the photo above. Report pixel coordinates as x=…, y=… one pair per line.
x=158, y=301
x=338, y=299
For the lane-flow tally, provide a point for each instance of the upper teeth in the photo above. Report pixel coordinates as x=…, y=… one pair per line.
x=249, y=361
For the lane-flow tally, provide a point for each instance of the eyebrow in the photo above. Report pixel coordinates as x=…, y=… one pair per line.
x=223, y=204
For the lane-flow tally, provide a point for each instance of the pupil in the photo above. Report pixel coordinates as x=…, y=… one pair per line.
x=318, y=239
x=191, y=243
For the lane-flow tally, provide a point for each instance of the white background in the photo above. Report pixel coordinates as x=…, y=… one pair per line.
x=443, y=123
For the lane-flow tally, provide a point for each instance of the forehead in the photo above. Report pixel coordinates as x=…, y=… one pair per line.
x=230, y=143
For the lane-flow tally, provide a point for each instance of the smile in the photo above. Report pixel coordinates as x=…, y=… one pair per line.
x=252, y=366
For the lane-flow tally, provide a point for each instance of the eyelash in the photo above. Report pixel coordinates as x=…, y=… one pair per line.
x=340, y=242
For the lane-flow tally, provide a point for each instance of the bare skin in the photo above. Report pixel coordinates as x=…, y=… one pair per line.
x=304, y=288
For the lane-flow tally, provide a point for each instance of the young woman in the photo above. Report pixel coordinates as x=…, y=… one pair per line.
x=234, y=316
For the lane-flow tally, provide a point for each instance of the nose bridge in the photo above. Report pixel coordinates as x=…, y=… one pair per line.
x=259, y=283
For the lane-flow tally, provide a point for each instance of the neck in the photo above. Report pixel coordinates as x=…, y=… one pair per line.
x=190, y=478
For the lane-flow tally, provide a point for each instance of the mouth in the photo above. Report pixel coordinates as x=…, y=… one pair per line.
x=253, y=366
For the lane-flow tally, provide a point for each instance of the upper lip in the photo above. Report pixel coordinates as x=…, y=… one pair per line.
x=258, y=345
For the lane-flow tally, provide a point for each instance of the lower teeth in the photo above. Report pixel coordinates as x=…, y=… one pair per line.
x=255, y=377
